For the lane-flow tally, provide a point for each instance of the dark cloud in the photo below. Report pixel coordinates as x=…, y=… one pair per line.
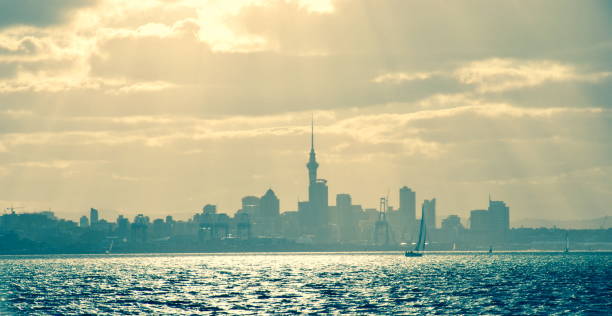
x=559, y=94
x=7, y=70
x=258, y=82
x=38, y=13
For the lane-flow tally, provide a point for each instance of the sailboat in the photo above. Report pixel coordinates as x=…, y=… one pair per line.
x=420, y=246
x=566, y=250
x=110, y=248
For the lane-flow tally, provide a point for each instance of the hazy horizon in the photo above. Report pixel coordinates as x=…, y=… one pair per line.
x=160, y=107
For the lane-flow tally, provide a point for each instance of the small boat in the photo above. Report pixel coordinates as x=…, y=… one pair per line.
x=490, y=249
x=411, y=253
x=420, y=246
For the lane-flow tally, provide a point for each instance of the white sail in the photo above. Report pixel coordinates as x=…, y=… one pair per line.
x=420, y=246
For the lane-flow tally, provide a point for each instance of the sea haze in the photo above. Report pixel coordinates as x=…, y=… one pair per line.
x=381, y=283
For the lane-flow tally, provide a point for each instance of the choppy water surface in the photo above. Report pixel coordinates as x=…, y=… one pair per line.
x=307, y=283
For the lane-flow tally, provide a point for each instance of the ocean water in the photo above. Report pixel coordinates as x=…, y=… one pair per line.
x=337, y=283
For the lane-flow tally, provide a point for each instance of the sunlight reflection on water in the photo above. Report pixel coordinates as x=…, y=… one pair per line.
x=521, y=283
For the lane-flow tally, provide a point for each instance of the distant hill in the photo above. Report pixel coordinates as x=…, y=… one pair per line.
x=594, y=223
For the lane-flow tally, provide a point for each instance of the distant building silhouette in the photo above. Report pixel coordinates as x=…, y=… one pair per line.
x=347, y=218
x=84, y=221
x=243, y=224
x=123, y=226
x=209, y=209
x=250, y=205
x=479, y=221
x=452, y=223
x=493, y=223
x=270, y=205
x=407, y=213
x=268, y=221
x=93, y=217
x=139, y=231
x=499, y=216
x=212, y=226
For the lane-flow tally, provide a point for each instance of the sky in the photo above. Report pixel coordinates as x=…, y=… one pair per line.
x=163, y=106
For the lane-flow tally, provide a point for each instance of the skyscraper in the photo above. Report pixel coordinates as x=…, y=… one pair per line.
x=269, y=204
x=84, y=222
x=408, y=204
x=479, y=221
x=268, y=221
x=209, y=209
x=250, y=205
x=407, y=214
x=499, y=216
x=93, y=217
x=347, y=218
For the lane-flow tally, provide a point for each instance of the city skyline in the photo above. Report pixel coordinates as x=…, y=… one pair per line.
x=361, y=157
x=407, y=204
x=160, y=107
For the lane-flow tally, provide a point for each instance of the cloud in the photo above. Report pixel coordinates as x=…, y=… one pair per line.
x=497, y=75
x=53, y=164
x=440, y=31
x=567, y=177
x=125, y=178
x=40, y=82
x=38, y=13
x=399, y=77
x=406, y=129
x=194, y=95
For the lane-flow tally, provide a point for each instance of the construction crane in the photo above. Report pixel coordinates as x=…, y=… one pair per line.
x=381, y=227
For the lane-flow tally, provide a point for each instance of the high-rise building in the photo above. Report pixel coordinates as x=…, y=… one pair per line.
x=84, y=221
x=499, y=216
x=451, y=230
x=93, y=216
x=123, y=226
x=407, y=214
x=452, y=223
x=250, y=205
x=343, y=200
x=429, y=207
x=479, y=221
x=347, y=218
x=140, y=227
x=267, y=223
x=158, y=228
x=269, y=204
x=318, y=203
x=209, y=209
x=408, y=203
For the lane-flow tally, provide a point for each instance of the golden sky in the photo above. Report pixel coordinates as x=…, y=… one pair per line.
x=162, y=106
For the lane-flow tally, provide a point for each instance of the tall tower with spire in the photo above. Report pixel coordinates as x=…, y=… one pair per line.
x=312, y=164
x=314, y=213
